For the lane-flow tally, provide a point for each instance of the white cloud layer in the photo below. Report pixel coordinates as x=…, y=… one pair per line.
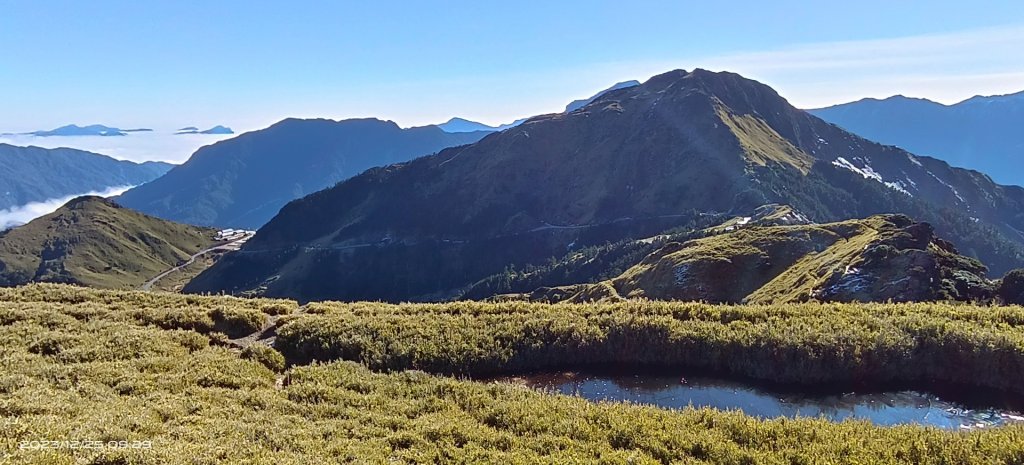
x=16, y=216
x=159, y=145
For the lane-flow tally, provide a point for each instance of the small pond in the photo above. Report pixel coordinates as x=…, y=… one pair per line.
x=882, y=408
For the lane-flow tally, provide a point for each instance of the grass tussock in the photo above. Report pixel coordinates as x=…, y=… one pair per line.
x=84, y=365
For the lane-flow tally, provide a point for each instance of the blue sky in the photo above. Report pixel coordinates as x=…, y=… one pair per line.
x=250, y=63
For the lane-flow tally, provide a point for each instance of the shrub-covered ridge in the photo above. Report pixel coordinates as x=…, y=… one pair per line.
x=84, y=365
x=793, y=343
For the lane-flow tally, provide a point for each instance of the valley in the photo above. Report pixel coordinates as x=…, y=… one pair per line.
x=175, y=278
x=33, y=174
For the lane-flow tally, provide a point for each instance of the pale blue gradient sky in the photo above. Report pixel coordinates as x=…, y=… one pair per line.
x=246, y=64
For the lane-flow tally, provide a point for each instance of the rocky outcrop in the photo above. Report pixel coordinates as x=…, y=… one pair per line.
x=878, y=259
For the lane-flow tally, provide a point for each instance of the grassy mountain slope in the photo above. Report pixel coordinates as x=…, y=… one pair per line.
x=631, y=164
x=589, y=265
x=242, y=182
x=93, y=242
x=878, y=259
x=33, y=174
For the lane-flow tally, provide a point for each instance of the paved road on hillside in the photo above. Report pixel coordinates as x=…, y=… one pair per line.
x=230, y=246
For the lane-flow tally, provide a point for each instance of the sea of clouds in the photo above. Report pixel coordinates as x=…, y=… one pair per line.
x=158, y=145
x=17, y=216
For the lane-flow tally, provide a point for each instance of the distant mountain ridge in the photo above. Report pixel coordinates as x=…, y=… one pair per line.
x=464, y=125
x=630, y=164
x=577, y=104
x=242, y=182
x=94, y=242
x=90, y=130
x=33, y=174
x=214, y=130
x=982, y=132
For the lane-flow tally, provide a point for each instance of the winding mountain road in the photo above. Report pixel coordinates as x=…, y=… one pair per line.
x=229, y=246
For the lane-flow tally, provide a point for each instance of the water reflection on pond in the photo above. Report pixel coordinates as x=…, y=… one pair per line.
x=882, y=408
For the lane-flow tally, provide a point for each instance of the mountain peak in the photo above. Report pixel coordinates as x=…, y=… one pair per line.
x=89, y=201
x=327, y=122
x=456, y=125
x=244, y=181
x=219, y=130
x=633, y=163
x=1014, y=97
x=76, y=130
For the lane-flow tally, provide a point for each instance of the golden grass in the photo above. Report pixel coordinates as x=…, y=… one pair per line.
x=85, y=365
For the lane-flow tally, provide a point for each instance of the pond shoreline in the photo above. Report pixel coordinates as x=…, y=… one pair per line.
x=970, y=397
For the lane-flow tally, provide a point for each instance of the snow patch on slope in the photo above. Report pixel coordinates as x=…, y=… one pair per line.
x=869, y=173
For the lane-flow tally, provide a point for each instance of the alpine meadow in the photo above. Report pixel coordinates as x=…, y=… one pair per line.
x=457, y=232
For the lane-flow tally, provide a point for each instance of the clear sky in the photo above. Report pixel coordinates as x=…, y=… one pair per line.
x=246, y=64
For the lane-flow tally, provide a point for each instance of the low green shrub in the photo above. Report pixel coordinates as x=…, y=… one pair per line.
x=799, y=343
x=117, y=377
x=237, y=322
x=283, y=307
x=1011, y=289
x=267, y=356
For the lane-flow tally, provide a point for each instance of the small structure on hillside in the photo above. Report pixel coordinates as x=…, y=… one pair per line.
x=232, y=235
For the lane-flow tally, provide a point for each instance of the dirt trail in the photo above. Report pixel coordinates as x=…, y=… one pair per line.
x=266, y=336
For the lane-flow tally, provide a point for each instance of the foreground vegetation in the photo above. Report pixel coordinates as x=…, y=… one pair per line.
x=149, y=370
x=793, y=343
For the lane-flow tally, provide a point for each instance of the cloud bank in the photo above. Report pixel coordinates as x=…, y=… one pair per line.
x=16, y=216
x=137, y=147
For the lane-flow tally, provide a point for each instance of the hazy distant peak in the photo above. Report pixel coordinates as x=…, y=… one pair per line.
x=982, y=132
x=1014, y=97
x=90, y=130
x=577, y=104
x=457, y=124
x=214, y=130
x=464, y=125
x=893, y=100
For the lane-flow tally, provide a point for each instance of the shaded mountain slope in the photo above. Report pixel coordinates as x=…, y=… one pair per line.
x=34, y=174
x=981, y=133
x=244, y=181
x=93, y=242
x=588, y=265
x=632, y=163
x=878, y=259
